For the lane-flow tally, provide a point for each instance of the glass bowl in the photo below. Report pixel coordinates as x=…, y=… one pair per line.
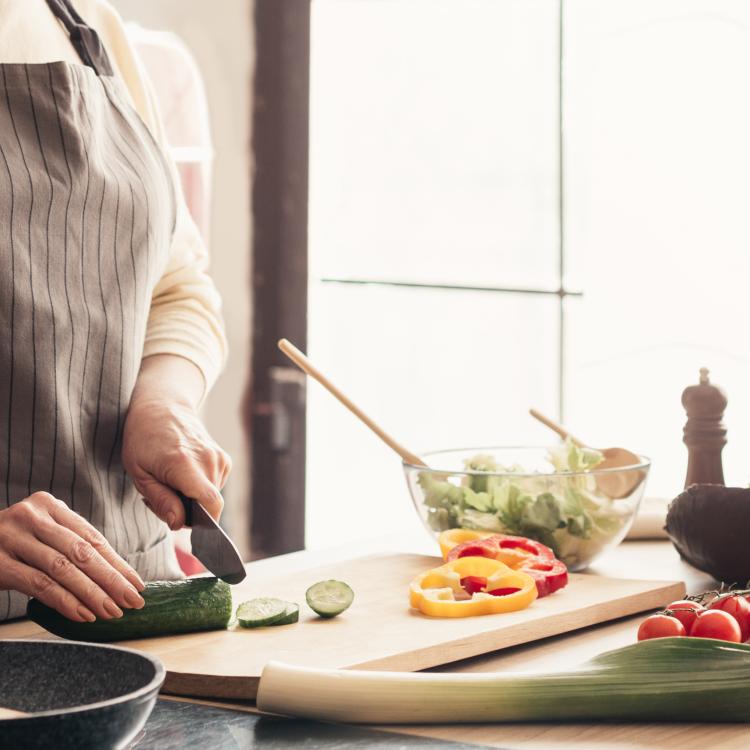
x=580, y=513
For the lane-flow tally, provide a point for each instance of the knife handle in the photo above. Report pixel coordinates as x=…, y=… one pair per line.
x=187, y=504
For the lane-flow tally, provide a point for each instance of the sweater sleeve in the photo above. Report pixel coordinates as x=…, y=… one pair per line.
x=185, y=317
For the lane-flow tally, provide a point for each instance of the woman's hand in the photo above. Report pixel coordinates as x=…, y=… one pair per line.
x=51, y=553
x=165, y=445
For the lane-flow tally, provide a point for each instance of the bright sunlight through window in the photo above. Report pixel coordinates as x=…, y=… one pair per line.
x=435, y=233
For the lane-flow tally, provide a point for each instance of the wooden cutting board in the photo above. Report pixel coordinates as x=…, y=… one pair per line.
x=379, y=631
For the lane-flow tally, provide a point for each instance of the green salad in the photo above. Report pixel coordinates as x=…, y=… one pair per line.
x=567, y=513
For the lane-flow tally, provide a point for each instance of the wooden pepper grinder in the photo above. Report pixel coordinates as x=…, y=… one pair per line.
x=705, y=434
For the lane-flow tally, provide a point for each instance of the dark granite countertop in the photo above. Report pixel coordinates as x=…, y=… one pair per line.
x=189, y=725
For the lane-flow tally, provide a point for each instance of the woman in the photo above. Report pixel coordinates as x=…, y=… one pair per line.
x=111, y=332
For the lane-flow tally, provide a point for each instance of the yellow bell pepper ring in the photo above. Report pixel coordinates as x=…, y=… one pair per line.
x=451, y=538
x=471, y=586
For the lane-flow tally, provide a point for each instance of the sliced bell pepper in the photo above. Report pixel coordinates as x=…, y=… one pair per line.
x=440, y=592
x=550, y=575
x=519, y=553
x=503, y=592
x=472, y=584
x=451, y=538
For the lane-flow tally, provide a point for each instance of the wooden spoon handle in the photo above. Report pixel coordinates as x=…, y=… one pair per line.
x=554, y=426
x=305, y=364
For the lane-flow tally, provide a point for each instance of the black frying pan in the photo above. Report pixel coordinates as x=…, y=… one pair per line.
x=78, y=695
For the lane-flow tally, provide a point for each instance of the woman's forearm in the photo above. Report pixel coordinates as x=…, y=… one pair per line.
x=166, y=447
x=171, y=377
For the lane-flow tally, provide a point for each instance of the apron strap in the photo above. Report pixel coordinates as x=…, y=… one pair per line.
x=86, y=41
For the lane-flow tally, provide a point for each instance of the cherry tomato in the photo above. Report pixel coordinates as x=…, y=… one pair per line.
x=739, y=608
x=715, y=623
x=685, y=611
x=503, y=592
x=472, y=584
x=660, y=626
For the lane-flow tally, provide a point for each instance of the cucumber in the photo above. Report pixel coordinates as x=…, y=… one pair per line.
x=290, y=616
x=171, y=607
x=258, y=613
x=329, y=598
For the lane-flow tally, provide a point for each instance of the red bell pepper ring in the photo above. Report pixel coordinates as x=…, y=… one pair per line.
x=527, y=545
x=521, y=554
x=472, y=584
x=549, y=575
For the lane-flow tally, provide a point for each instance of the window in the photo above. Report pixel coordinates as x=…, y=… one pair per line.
x=435, y=140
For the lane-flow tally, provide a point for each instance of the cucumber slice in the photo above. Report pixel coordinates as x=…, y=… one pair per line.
x=259, y=612
x=290, y=616
x=329, y=598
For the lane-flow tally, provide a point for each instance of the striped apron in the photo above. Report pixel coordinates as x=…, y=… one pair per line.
x=87, y=211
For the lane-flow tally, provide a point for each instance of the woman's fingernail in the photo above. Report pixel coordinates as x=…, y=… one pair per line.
x=139, y=584
x=112, y=608
x=133, y=598
x=87, y=614
x=171, y=518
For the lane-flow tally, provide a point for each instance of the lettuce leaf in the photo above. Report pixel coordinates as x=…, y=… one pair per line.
x=481, y=501
x=570, y=457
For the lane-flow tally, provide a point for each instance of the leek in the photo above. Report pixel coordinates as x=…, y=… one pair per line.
x=664, y=679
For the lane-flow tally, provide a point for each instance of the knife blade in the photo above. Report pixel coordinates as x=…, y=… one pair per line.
x=210, y=543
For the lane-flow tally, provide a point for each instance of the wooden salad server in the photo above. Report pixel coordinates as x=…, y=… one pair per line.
x=307, y=366
x=617, y=484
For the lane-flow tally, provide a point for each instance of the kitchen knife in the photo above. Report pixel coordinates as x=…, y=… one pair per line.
x=210, y=543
